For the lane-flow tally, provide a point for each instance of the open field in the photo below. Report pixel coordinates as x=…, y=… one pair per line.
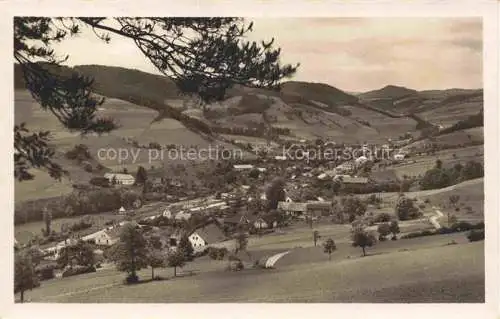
x=43, y=186
x=135, y=122
x=457, y=138
x=473, y=186
x=449, y=273
x=449, y=158
x=24, y=232
x=471, y=195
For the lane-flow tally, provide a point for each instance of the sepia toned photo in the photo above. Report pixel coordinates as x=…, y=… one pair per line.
x=248, y=160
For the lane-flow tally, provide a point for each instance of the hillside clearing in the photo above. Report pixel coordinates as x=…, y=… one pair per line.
x=453, y=273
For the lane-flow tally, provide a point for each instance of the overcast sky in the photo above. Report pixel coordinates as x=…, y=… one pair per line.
x=353, y=54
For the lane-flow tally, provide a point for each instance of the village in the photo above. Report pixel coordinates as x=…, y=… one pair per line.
x=231, y=210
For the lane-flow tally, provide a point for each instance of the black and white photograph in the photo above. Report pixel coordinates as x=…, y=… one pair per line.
x=250, y=159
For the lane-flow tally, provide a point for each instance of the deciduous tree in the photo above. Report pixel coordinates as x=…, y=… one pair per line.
x=176, y=259
x=329, y=247
x=362, y=238
x=25, y=277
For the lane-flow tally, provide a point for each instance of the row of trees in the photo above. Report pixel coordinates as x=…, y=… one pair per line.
x=76, y=204
x=135, y=251
x=439, y=176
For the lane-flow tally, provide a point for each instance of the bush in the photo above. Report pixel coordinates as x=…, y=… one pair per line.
x=78, y=270
x=100, y=181
x=384, y=230
x=235, y=265
x=405, y=209
x=479, y=225
x=475, y=235
x=445, y=230
x=422, y=233
x=88, y=167
x=373, y=199
x=46, y=272
x=81, y=225
x=217, y=253
x=132, y=279
x=462, y=226
x=382, y=218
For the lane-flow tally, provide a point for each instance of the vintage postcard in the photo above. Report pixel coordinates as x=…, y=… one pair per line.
x=336, y=158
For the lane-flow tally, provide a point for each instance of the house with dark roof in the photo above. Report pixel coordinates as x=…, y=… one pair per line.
x=264, y=222
x=209, y=235
x=292, y=208
x=319, y=208
x=238, y=219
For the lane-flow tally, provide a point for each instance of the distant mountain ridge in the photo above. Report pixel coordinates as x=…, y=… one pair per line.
x=301, y=108
x=388, y=92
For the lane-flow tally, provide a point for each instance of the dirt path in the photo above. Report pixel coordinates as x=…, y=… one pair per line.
x=434, y=218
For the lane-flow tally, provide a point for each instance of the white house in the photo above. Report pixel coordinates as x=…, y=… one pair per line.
x=123, y=179
x=263, y=223
x=206, y=236
x=399, y=157
x=167, y=213
x=122, y=211
x=280, y=158
x=107, y=237
x=291, y=208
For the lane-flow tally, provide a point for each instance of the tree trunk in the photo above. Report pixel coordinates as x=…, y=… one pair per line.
x=364, y=251
x=22, y=296
x=152, y=273
x=330, y=256
x=175, y=271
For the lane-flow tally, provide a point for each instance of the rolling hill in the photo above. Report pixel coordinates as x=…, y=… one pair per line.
x=387, y=92
x=439, y=107
x=149, y=109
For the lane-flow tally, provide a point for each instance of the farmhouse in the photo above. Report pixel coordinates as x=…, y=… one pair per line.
x=344, y=168
x=293, y=209
x=167, y=213
x=238, y=219
x=399, y=157
x=121, y=179
x=354, y=180
x=122, y=211
x=207, y=236
x=264, y=222
x=319, y=208
x=107, y=237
